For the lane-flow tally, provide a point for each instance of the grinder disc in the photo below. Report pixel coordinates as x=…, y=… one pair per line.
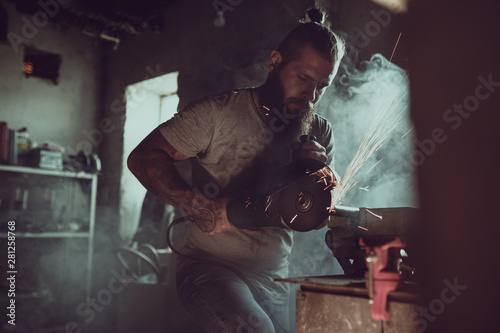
x=305, y=201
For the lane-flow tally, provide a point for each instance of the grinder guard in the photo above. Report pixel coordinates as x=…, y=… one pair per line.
x=300, y=199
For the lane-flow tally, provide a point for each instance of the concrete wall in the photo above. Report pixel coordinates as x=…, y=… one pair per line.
x=64, y=113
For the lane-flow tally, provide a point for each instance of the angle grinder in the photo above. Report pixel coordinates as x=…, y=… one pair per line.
x=300, y=199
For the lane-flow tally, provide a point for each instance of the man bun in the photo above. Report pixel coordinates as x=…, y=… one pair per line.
x=316, y=15
x=316, y=34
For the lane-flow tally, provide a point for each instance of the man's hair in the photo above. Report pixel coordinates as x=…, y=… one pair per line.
x=317, y=35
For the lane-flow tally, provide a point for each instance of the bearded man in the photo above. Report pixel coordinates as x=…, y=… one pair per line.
x=238, y=141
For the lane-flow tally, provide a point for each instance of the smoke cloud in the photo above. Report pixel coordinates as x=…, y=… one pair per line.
x=358, y=96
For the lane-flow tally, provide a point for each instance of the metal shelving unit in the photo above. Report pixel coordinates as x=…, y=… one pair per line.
x=64, y=234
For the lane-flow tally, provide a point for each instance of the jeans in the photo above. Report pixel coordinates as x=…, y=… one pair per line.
x=220, y=300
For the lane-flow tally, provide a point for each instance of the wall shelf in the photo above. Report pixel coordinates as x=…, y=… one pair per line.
x=68, y=183
x=55, y=234
x=47, y=172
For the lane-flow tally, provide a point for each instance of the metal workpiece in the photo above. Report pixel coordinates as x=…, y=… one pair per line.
x=348, y=224
x=346, y=212
x=374, y=221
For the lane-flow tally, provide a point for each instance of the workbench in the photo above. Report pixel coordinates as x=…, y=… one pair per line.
x=340, y=304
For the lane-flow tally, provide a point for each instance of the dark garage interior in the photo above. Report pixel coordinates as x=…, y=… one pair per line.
x=84, y=244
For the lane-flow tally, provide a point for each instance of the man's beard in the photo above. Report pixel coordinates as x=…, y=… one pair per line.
x=272, y=97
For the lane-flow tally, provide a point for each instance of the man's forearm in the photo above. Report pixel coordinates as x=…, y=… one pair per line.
x=157, y=173
x=152, y=162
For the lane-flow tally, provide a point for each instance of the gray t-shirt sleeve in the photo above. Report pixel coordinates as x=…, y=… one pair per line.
x=191, y=130
x=323, y=131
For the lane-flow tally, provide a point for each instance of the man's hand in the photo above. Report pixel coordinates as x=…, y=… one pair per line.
x=211, y=215
x=310, y=149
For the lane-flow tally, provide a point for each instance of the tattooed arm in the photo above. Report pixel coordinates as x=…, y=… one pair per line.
x=152, y=163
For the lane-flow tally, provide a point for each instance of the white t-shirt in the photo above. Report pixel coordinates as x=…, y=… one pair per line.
x=240, y=155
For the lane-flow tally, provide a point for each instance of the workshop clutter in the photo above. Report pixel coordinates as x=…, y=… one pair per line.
x=17, y=148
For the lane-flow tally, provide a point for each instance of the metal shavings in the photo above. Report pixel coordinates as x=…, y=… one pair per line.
x=377, y=216
x=375, y=165
x=395, y=46
x=326, y=176
x=387, y=117
x=268, y=203
x=411, y=129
